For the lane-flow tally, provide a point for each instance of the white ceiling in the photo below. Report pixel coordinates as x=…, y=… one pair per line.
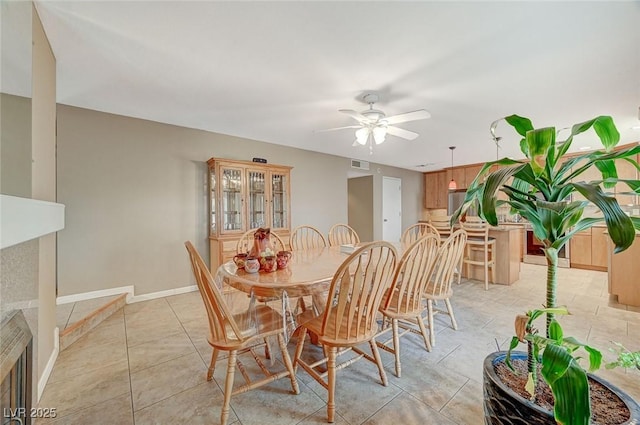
x=277, y=71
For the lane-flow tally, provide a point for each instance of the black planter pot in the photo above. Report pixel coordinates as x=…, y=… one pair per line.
x=502, y=406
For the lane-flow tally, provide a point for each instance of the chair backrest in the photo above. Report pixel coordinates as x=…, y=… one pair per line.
x=355, y=294
x=341, y=234
x=222, y=325
x=416, y=231
x=442, y=224
x=448, y=258
x=476, y=229
x=306, y=237
x=412, y=275
x=245, y=243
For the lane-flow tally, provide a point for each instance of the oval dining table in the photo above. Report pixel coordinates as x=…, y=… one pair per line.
x=308, y=273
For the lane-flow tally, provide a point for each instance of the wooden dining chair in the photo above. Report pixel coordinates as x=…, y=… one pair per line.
x=245, y=243
x=237, y=334
x=403, y=303
x=480, y=249
x=439, y=286
x=306, y=237
x=349, y=316
x=341, y=234
x=417, y=231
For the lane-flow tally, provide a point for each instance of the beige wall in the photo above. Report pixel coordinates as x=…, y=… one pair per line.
x=135, y=190
x=360, y=191
x=15, y=151
x=43, y=182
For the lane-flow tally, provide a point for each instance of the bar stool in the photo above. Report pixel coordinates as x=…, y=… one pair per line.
x=478, y=240
x=442, y=224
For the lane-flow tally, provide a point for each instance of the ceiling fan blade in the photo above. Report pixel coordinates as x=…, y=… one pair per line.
x=337, y=128
x=420, y=114
x=401, y=132
x=355, y=115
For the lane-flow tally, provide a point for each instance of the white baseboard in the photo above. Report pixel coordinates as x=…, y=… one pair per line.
x=162, y=294
x=42, y=382
x=129, y=290
x=66, y=299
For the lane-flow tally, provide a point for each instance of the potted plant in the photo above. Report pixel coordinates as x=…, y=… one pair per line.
x=539, y=189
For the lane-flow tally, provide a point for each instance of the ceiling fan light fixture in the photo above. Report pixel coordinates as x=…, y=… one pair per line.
x=362, y=135
x=379, y=134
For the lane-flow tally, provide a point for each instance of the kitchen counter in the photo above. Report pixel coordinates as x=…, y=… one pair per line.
x=624, y=268
x=507, y=254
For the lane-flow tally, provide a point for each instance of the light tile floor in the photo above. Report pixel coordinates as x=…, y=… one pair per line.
x=147, y=363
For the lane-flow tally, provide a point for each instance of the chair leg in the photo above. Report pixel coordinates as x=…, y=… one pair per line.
x=331, y=383
x=396, y=345
x=423, y=331
x=378, y=359
x=301, y=337
x=228, y=387
x=288, y=364
x=212, y=365
x=486, y=268
x=493, y=265
x=432, y=334
x=450, y=311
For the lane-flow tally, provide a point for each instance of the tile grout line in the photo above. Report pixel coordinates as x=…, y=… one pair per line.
x=126, y=341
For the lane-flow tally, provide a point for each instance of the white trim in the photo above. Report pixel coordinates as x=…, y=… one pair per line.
x=162, y=294
x=66, y=299
x=46, y=373
x=23, y=219
x=129, y=290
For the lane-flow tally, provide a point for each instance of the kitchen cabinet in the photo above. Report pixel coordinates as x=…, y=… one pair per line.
x=580, y=249
x=470, y=174
x=242, y=196
x=625, y=171
x=458, y=175
x=588, y=249
x=436, y=191
x=624, y=269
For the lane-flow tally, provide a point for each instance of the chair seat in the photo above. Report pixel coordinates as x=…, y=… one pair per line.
x=406, y=308
x=267, y=322
x=429, y=293
x=479, y=241
x=347, y=335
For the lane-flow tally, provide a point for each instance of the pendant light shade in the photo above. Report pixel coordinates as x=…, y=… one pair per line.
x=452, y=184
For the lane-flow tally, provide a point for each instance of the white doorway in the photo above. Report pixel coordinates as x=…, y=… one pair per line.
x=391, y=209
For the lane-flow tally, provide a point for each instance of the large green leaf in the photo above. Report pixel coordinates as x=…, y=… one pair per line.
x=619, y=225
x=569, y=384
x=521, y=124
x=539, y=142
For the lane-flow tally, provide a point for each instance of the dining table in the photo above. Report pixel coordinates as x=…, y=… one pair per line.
x=307, y=277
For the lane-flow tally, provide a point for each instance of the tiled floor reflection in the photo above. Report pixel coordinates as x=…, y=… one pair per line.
x=147, y=363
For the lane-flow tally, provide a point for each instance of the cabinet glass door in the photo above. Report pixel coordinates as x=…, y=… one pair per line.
x=279, y=196
x=256, y=183
x=231, y=202
x=212, y=203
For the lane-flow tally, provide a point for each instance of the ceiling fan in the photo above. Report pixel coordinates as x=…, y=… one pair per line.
x=374, y=125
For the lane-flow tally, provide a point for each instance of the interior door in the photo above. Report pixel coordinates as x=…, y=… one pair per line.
x=391, y=209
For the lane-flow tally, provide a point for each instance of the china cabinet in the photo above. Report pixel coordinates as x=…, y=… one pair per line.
x=245, y=195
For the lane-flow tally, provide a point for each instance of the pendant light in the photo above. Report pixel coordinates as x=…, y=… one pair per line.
x=452, y=184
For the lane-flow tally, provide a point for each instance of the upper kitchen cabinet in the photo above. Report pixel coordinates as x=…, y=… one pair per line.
x=243, y=196
x=625, y=171
x=456, y=174
x=436, y=190
x=470, y=174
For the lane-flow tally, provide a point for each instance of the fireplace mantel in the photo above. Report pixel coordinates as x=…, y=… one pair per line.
x=23, y=219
